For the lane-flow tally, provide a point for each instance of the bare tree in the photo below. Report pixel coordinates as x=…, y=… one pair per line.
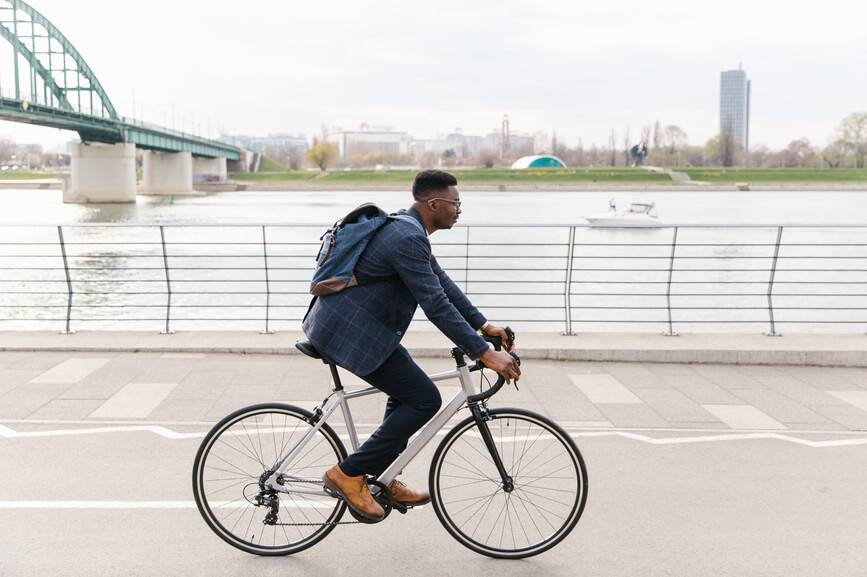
x=673, y=139
x=7, y=149
x=627, y=157
x=612, y=147
x=657, y=136
x=853, y=130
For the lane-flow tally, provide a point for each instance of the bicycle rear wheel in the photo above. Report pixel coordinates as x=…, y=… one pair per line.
x=547, y=471
x=226, y=480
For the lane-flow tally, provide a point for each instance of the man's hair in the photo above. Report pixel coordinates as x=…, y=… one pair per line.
x=429, y=183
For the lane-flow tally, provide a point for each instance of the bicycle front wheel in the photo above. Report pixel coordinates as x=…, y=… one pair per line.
x=291, y=516
x=545, y=501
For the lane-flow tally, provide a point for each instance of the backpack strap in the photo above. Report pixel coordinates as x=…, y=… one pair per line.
x=407, y=218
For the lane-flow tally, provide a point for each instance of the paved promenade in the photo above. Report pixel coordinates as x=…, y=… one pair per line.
x=713, y=455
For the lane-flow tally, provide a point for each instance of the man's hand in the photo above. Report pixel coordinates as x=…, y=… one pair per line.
x=503, y=363
x=494, y=331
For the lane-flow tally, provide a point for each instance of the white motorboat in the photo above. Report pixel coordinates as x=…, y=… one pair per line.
x=635, y=214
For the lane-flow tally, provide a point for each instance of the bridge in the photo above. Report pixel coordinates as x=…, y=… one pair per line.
x=54, y=87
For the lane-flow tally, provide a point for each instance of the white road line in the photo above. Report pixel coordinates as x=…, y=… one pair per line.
x=70, y=371
x=8, y=433
x=603, y=389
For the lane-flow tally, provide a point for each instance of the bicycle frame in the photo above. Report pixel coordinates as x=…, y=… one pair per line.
x=342, y=398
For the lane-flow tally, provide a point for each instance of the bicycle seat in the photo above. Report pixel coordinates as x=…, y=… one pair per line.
x=308, y=349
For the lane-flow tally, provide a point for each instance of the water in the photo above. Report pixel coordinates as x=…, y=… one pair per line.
x=293, y=207
x=620, y=282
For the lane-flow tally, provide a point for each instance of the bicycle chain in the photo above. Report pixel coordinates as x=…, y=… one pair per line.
x=311, y=524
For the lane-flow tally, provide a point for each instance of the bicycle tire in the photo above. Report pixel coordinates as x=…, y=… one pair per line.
x=549, y=476
x=237, y=451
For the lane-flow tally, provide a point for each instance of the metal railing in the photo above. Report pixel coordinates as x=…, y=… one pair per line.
x=700, y=278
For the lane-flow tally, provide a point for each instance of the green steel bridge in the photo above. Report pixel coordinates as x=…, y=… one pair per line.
x=54, y=87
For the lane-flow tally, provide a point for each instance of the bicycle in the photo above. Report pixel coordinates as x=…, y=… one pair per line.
x=504, y=482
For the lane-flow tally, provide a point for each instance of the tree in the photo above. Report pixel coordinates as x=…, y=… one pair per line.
x=7, y=149
x=835, y=152
x=799, y=153
x=673, y=139
x=853, y=131
x=449, y=157
x=657, y=136
x=627, y=156
x=487, y=157
x=612, y=147
x=323, y=154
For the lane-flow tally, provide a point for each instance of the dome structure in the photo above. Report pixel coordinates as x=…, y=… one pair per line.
x=539, y=161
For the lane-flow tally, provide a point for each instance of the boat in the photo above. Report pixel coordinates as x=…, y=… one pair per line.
x=635, y=214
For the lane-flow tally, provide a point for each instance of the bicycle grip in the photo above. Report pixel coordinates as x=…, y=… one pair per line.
x=498, y=384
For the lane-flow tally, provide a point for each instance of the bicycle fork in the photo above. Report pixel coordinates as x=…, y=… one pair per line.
x=480, y=416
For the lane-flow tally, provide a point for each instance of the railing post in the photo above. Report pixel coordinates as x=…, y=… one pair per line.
x=567, y=292
x=774, y=332
x=168, y=331
x=267, y=330
x=68, y=281
x=670, y=332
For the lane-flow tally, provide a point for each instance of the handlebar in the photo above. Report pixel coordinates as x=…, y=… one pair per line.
x=498, y=345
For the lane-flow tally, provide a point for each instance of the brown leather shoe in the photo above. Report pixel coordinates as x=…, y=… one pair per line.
x=355, y=492
x=406, y=496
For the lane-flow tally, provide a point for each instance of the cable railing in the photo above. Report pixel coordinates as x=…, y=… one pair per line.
x=566, y=278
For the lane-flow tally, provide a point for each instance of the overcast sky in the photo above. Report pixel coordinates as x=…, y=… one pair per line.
x=579, y=68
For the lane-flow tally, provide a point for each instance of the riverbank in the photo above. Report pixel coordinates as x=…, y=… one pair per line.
x=306, y=185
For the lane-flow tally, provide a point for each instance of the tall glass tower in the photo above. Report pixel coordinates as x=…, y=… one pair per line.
x=734, y=106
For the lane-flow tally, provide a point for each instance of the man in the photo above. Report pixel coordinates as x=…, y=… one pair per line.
x=360, y=328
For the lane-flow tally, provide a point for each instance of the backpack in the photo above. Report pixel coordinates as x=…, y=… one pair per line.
x=342, y=245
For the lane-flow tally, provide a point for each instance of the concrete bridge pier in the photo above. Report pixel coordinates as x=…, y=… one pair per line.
x=209, y=170
x=167, y=173
x=101, y=173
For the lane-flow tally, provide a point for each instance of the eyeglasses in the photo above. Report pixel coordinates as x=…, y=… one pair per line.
x=457, y=203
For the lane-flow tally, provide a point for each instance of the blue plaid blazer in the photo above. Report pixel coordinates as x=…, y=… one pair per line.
x=361, y=326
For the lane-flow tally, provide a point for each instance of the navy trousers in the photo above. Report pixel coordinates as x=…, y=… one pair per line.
x=412, y=400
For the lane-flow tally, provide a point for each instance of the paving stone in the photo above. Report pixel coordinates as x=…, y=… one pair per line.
x=631, y=415
x=781, y=408
x=852, y=418
x=797, y=390
x=674, y=406
x=66, y=409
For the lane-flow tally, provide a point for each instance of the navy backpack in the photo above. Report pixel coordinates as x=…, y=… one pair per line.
x=342, y=245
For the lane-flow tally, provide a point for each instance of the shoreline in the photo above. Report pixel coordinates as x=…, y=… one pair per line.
x=307, y=186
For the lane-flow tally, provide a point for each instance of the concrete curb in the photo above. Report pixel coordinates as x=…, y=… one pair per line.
x=816, y=350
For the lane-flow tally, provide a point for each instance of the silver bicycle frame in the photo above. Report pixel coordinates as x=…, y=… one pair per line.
x=415, y=446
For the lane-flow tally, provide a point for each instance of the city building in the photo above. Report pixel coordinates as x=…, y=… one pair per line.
x=368, y=141
x=734, y=106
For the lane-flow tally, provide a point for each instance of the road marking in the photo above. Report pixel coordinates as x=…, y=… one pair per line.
x=148, y=505
x=743, y=417
x=70, y=371
x=603, y=389
x=183, y=356
x=8, y=433
x=134, y=401
x=857, y=398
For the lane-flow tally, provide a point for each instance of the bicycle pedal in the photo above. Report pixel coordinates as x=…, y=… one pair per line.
x=402, y=509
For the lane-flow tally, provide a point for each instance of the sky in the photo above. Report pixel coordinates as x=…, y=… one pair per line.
x=579, y=69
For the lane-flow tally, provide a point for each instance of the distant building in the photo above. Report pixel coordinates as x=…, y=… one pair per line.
x=297, y=142
x=519, y=144
x=539, y=161
x=734, y=106
x=351, y=142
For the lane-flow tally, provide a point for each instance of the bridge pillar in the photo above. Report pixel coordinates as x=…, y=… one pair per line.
x=101, y=173
x=209, y=170
x=167, y=173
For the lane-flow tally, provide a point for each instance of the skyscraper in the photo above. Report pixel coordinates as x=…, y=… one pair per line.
x=734, y=106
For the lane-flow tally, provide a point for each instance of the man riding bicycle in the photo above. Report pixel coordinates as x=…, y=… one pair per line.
x=360, y=328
